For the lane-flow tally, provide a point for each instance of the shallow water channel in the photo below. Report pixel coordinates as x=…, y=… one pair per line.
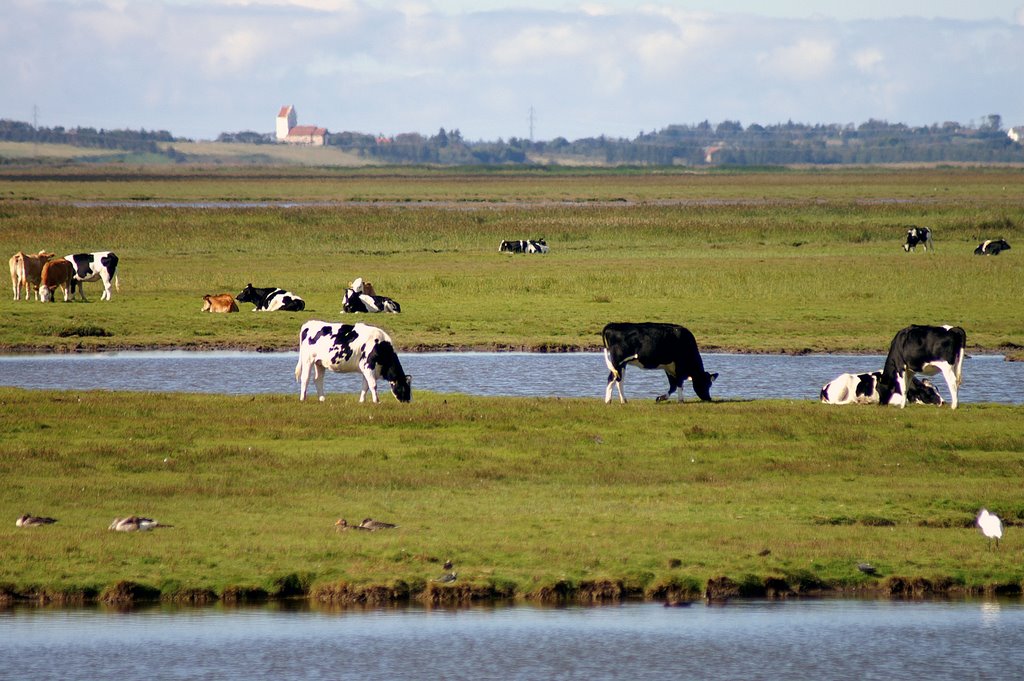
x=987, y=378
x=797, y=639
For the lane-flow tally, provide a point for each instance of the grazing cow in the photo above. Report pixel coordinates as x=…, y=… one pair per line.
x=222, y=302
x=25, y=272
x=651, y=345
x=57, y=273
x=922, y=349
x=524, y=246
x=271, y=299
x=992, y=247
x=360, y=297
x=918, y=235
x=349, y=348
x=93, y=266
x=863, y=389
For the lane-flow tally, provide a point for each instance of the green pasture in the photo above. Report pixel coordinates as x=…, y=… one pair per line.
x=529, y=497
x=526, y=496
x=787, y=261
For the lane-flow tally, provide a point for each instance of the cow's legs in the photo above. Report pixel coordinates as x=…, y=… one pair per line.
x=318, y=379
x=673, y=383
x=369, y=383
x=952, y=376
x=106, y=289
x=615, y=374
x=302, y=374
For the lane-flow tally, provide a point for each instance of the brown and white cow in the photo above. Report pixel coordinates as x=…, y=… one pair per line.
x=222, y=302
x=57, y=273
x=26, y=270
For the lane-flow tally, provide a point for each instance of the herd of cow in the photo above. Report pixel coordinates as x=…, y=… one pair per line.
x=369, y=351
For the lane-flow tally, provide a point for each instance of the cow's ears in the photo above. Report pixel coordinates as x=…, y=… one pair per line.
x=712, y=377
x=408, y=377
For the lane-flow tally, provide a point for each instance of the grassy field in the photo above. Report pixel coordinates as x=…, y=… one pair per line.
x=531, y=498
x=528, y=497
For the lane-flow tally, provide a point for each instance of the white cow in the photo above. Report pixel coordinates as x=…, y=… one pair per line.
x=349, y=348
x=93, y=266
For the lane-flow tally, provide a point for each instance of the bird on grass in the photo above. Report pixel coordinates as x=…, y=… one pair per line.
x=371, y=524
x=134, y=523
x=29, y=520
x=342, y=526
x=447, y=578
x=448, y=564
x=990, y=524
x=866, y=568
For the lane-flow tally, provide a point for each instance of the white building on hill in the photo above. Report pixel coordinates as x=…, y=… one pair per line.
x=290, y=133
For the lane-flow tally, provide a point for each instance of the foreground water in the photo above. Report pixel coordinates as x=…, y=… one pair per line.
x=987, y=378
x=826, y=639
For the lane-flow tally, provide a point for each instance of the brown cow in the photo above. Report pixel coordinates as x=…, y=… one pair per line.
x=56, y=273
x=25, y=272
x=222, y=302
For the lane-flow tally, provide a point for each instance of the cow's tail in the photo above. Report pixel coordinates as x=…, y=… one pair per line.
x=117, y=282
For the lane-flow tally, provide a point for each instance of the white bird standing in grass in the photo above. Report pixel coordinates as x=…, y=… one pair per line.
x=990, y=524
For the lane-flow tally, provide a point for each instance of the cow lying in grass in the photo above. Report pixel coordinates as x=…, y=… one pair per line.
x=863, y=389
x=360, y=297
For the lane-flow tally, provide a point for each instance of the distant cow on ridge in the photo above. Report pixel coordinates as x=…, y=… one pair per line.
x=524, y=246
x=992, y=247
x=918, y=235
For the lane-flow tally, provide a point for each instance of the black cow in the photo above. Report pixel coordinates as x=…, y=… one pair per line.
x=918, y=235
x=922, y=349
x=271, y=299
x=992, y=247
x=652, y=345
x=524, y=246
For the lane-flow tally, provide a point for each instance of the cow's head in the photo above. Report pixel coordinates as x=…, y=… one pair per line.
x=248, y=295
x=923, y=391
x=401, y=388
x=207, y=305
x=702, y=385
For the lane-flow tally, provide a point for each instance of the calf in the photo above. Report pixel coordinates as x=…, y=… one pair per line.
x=271, y=299
x=523, y=246
x=57, y=273
x=918, y=235
x=222, y=302
x=922, y=349
x=26, y=270
x=652, y=345
x=349, y=348
x=93, y=266
x=863, y=389
x=360, y=297
x=992, y=247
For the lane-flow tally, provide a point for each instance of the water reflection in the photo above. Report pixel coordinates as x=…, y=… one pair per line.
x=987, y=378
x=751, y=640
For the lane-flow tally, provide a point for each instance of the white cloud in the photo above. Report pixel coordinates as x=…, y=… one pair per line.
x=807, y=59
x=868, y=59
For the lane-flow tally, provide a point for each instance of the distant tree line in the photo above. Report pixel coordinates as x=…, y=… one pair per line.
x=702, y=144
x=122, y=140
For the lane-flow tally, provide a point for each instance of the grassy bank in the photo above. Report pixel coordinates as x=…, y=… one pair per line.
x=777, y=261
x=529, y=497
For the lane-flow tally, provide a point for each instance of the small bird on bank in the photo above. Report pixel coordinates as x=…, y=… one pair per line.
x=866, y=568
x=371, y=524
x=447, y=578
x=342, y=526
x=448, y=564
x=134, y=523
x=990, y=524
x=29, y=520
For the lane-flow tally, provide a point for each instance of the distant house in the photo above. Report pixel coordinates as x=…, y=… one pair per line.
x=1016, y=134
x=290, y=133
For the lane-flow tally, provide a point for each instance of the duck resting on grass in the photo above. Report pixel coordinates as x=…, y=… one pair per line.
x=29, y=520
x=342, y=525
x=371, y=524
x=134, y=523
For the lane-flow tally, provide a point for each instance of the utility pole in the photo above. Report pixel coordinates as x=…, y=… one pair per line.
x=531, y=122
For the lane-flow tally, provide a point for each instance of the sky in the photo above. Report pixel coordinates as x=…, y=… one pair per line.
x=497, y=69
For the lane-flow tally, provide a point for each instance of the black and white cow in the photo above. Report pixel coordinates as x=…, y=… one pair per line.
x=922, y=349
x=992, y=247
x=93, y=266
x=863, y=389
x=918, y=235
x=653, y=345
x=524, y=246
x=271, y=299
x=359, y=300
x=349, y=348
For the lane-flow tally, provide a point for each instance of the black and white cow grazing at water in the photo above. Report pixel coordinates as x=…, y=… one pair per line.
x=922, y=349
x=93, y=266
x=271, y=299
x=992, y=247
x=359, y=300
x=863, y=389
x=524, y=246
x=652, y=345
x=918, y=235
x=349, y=348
